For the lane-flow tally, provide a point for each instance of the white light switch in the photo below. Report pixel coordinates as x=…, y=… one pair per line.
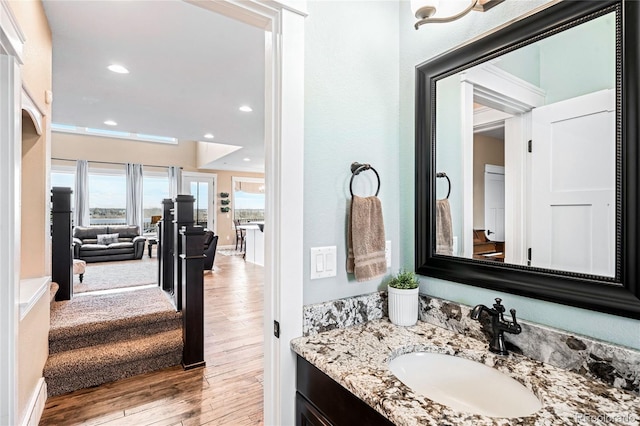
x=330, y=261
x=323, y=262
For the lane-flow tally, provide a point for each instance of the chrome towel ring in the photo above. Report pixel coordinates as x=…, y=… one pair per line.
x=356, y=169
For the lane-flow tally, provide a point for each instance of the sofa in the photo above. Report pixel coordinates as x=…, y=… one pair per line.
x=104, y=243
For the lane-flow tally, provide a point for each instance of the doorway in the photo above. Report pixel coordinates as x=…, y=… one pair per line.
x=202, y=186
x=284, y=41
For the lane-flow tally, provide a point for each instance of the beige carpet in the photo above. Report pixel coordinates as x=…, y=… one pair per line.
x=88, y=314
x=99, y=338
x=110, y=275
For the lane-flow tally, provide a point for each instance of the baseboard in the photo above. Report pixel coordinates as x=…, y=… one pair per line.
x=34, y=410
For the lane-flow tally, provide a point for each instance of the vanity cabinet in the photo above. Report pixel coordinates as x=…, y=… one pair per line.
x=322, y=401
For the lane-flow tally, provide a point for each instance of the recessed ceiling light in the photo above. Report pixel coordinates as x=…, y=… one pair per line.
x=118, y=68
x=110, y=123
x=208, y=136
x=247, y=159
x=245, y=108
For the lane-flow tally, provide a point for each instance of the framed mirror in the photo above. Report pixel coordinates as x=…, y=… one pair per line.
x=527, y=158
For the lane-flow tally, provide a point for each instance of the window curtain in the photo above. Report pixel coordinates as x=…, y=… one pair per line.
x=175, y=181
x=134, y=196
x=81, y=211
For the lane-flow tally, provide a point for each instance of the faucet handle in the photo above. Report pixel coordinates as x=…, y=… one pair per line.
x=513, y=316
x=516, y=327
x=498, y=305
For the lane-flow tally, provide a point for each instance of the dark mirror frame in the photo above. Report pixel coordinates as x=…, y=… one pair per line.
x=619, y=295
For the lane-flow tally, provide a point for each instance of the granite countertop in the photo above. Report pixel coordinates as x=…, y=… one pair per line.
x=357, y=358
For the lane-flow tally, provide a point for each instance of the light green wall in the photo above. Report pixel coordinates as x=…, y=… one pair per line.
x=416, y=47
x=575, y=62
x=523, y=63
x=351, y=114
x=580, y=60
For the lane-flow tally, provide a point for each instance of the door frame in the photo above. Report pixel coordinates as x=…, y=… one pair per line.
x=11, y=54
x=283, y=23
x=502, y=91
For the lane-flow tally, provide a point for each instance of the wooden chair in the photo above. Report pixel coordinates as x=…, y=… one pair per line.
x=240, y=236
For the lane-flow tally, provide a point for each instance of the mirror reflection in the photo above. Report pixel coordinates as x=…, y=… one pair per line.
x=526, y=155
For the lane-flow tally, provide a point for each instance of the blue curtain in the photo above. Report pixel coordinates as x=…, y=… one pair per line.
x=134, y=196
x=175, y=181
x=81, y=211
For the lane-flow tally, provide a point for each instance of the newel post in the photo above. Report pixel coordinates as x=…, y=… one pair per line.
x=192, y=259
x=165, y=247
x=61, y=242
x=182, y=216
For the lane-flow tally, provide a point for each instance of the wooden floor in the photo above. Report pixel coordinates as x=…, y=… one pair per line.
x=228, y=391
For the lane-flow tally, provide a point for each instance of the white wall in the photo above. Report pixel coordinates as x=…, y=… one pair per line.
x=351, y=114
x=415, y=48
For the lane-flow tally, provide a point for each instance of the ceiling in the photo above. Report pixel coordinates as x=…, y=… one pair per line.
x=190, y=71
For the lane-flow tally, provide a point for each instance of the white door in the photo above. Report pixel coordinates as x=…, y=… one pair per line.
x=494, y=202
x=202, y=188
x=573, y=185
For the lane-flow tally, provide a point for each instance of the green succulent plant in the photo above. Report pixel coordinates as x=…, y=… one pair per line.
x=405, y=280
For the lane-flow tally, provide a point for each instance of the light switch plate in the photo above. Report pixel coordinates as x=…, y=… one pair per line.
x=323, y=262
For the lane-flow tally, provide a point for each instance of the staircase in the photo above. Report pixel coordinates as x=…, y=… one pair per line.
x=99, y=339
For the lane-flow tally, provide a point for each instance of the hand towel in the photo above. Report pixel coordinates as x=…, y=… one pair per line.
x=444, y=228
x=365, y=239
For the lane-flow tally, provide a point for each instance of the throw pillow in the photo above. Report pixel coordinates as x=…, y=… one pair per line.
x=106, y=239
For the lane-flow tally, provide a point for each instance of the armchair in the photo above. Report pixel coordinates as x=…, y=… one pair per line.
x=210, y=245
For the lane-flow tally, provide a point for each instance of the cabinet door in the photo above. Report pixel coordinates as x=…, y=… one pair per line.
x=307, y=414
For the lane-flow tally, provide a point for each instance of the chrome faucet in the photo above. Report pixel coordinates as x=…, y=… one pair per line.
x=498, y=325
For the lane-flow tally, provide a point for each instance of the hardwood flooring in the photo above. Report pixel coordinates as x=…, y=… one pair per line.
x=228, y=391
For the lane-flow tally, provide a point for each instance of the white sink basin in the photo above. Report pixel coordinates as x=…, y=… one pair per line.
x=464, y=385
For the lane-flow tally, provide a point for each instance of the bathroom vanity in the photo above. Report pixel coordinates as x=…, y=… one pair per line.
x=354, y=362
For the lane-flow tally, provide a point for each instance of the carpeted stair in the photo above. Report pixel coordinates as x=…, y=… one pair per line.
x=100, y=339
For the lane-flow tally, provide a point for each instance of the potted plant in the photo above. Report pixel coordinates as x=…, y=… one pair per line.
x=403, y=298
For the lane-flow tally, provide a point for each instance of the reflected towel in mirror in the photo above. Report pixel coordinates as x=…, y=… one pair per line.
x=365, y=239
x=444, y=228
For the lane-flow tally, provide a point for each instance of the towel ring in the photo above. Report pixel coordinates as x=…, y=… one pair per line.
x=444, y=175
x=356, y=168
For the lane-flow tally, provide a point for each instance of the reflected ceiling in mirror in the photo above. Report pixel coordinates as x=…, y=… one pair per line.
x=528, y=140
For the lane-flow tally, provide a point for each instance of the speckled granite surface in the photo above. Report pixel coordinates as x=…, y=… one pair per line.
x=614, y=365
x=357, y=358
x=343, y=312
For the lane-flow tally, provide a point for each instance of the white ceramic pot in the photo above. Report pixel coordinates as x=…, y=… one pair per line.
x=403, y=306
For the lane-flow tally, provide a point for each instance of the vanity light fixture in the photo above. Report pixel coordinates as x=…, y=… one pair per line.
x=426, y=11
x=209, y=136
x=245, y=108
x=118, y=69
x=110, y=123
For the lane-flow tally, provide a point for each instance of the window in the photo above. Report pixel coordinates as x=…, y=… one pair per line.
x=64, y=177
x=155, y=188
x=107, y=197
x=248, y=199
